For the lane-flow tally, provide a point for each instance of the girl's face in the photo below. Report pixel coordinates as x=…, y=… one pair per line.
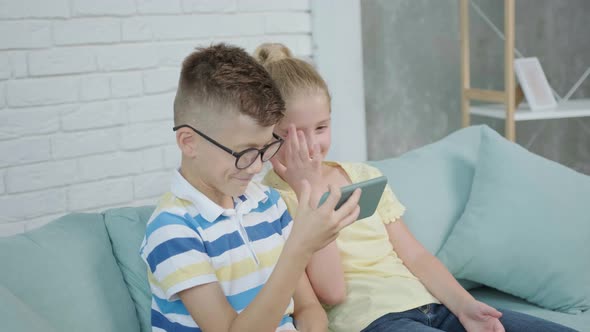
x=311, y=115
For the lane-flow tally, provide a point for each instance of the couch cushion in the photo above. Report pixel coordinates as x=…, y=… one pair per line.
x=500, y=300
x=434, y=182
x=126, y=227
x=16, y=316
x=525, y=228
x=65, y=272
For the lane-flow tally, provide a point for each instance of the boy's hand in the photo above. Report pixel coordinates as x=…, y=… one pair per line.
x=477, y=316
x=315, y=227
x=300, y=163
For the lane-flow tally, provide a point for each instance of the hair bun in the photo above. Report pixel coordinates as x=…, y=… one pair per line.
x=271, y=52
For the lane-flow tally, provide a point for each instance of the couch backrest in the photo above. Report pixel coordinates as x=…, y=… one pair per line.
x=434, y=183
x=76, y=274
x=126, y=228
x=64, y=276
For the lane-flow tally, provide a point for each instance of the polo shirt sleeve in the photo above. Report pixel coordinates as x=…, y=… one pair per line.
x=175, y=255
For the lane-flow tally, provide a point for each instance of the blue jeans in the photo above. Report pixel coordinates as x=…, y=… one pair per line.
x=436, y=317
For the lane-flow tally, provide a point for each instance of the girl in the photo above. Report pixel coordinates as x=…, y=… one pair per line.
x=375, y=276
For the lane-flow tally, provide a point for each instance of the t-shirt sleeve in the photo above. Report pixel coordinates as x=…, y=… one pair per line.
x=290, y=200
x=390, y=209
x=285, y=219
x=175, y=255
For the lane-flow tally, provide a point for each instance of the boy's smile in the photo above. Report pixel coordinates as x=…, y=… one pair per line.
x=213, y=162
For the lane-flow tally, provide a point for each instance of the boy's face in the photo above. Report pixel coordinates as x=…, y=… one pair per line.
x=217, y=175
x=311, y=115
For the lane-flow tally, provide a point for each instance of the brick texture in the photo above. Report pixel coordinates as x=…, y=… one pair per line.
x=86, y=93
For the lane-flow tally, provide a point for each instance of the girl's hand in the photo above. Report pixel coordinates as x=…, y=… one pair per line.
x=300, y=163
x=477, y=316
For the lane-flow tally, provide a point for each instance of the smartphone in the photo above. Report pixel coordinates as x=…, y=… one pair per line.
x=371, y=193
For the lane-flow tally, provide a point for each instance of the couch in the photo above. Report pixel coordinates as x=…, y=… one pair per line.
x=82, y=272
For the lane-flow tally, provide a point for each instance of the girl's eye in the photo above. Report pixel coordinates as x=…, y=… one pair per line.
x=321, y=128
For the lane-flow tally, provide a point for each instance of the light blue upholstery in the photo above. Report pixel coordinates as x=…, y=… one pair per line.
x=525, y=228
x=435, y=183
x=83, y=272
x=65, y=274
x=580, y=322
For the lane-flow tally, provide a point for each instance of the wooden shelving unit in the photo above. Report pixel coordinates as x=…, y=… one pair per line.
x=505, y=105
x=568, y=109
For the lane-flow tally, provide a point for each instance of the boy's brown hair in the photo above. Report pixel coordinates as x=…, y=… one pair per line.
x=222, y=78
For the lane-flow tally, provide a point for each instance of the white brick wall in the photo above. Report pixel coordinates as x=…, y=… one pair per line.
x=86, y=91
x=95, y=87
x=67, y=60
x=4, y=66
x=42, y=91
x=86, y=31
x=27, y=9
x=2, y=95
x=25, y=34
x=2, y=187
x=17, y=122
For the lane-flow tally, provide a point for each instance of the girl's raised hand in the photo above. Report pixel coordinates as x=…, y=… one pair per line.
x=300, y=163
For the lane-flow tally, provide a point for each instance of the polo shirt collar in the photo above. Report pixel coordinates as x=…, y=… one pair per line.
x=210, y=210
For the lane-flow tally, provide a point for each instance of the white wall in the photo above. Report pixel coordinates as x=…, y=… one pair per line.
x=86, y=89
x=338, y=55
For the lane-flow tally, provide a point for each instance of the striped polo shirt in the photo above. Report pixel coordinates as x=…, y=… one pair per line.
x=190, y=241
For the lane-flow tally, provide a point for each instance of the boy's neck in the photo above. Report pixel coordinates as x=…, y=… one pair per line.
x=213, y=194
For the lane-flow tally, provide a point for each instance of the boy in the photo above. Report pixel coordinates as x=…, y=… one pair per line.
x=222, y=251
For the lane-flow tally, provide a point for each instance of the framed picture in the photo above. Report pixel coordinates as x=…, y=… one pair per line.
x=534, y=84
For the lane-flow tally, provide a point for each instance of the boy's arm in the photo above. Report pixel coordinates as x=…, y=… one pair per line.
x=211, y=311
x=313, y=229
x=309, y=314
x=439, y=281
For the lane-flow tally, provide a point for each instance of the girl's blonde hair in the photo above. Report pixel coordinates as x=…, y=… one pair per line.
x=292, y=76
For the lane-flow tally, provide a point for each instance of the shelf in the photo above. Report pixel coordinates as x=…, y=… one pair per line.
x=569, y=109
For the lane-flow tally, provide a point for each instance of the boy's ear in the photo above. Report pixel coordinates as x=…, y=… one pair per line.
x=187, y=142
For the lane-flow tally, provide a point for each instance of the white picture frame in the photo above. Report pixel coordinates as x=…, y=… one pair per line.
x=534, y=84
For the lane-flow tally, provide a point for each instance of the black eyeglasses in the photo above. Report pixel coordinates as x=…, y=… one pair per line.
x=246, y=157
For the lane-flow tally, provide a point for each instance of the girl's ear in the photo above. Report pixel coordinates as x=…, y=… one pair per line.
x=187, y=142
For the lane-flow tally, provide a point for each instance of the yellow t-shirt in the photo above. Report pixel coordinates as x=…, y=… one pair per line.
x=377, y=281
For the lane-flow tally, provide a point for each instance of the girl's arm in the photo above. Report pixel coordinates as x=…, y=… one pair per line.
x=325, y=271
x=474, y=315
x=431, y=272
x=308, y=314
x=325, y=267
x=326, y=275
